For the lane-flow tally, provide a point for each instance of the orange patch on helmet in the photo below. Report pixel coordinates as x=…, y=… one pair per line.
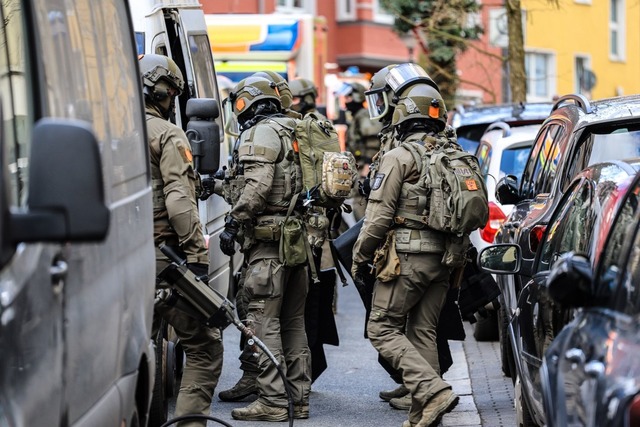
x=434, y=112
x=240, y=104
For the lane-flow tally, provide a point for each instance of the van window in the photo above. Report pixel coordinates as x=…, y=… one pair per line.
x=100, y=87
x=17, y=111
x=203, y=66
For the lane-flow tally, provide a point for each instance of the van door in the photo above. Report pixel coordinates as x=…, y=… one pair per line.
x=183, y=36
x=31, y=303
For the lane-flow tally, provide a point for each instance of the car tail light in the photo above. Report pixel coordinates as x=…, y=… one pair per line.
x=496, y=218
x=634, y=412
x=535, y=237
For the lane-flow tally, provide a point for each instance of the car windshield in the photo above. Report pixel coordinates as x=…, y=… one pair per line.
x=626, y=141
x=514, y=160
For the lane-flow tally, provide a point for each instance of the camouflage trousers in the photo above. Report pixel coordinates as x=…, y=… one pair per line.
x=276, y=302
x=402, y=324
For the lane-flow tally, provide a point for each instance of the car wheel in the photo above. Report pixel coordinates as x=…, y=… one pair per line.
x=159, y=402
x=523, y=416
x=486, y=328
x=506, y=353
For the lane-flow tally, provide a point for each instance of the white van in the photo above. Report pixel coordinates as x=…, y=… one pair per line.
x=178, y=30
x=77, y=269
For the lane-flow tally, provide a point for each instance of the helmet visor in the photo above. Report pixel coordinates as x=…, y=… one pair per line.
x=230, y=124
x=377, y=104
x=401, y=76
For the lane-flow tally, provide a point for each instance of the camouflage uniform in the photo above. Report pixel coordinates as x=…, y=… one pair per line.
x=177, y=224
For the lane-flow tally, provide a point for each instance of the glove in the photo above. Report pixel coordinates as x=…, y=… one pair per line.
x=358, y=270
x=200, y=270
x=364, y=188
x=228, y=236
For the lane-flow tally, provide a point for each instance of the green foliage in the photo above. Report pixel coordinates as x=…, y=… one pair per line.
x=447, y=28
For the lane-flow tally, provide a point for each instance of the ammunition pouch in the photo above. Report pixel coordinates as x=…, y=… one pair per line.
x=419, y=241
x=268, y=228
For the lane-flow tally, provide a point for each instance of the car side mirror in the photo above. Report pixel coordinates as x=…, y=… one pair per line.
x=500, y=259
x=66, y=190
x=204, y=134
x=571, y=281
x=507, y=192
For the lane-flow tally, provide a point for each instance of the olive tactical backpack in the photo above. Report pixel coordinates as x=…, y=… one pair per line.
x=324, y=167
x=458, y=201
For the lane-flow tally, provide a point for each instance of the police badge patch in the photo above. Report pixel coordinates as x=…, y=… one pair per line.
x=377, y=181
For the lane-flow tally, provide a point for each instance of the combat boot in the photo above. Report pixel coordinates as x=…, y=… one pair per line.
x=245, y=387
x=301, y=411
x=436, y=407
x=403, y=403
x=399, y=391
x=258, y=411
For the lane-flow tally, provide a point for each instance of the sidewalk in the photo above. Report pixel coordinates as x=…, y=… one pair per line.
x=466, y=413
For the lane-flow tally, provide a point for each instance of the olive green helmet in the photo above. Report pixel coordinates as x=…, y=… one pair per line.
x=301, y=87
x=380, y=100
x=252, y=90
x=420, y=101
x=281, y=83
x=156, y=68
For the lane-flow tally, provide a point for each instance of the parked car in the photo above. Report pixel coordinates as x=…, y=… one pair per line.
x=578, y=133
x=77, y=264
x=503, y=150
x=470, y=122
x=591, y=371
x=576, y=223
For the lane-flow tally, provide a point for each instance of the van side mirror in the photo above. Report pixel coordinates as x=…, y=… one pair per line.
x=66, y=192
x=507, y=192
x=204, y=134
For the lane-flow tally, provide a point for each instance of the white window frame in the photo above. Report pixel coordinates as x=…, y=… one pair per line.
x=342, y=14
x=620, y=28
x=380, y=16
x=587, y=66
x=550, y=77
x=586, y=2
x=308, y=6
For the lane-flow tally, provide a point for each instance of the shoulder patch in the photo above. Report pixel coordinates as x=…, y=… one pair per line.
x=377, y=181
x=185, y=153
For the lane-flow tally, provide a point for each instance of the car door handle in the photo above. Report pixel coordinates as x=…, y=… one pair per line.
x=575, y=355
x=58, y=272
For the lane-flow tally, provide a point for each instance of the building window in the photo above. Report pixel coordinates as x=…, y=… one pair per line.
x=540, y=85
x=616, y=30
x=296, y=6
x=346, y=10
x=582, y=1
x=382, y=15
x=583, y=75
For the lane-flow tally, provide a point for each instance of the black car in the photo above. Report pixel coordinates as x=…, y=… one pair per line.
x=576, y=224
x=591, y=371
x=578, y=133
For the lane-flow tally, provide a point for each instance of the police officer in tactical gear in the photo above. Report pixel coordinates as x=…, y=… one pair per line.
x=177, y=225
x=276, y=292
x=304, y=93
x=246, y=385
x=362, y=133
x=381, y=103
x=406, y=308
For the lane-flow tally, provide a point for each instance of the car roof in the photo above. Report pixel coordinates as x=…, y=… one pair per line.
x=602, y=110
x=515, y=112
x=517, y=135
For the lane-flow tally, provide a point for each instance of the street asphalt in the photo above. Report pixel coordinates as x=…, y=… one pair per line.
x=346, y=394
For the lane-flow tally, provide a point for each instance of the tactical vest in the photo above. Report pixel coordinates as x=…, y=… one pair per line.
x=287, y=179
x=414, y=197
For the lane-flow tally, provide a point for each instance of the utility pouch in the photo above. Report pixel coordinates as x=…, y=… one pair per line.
x=455, y=254
x=386, y=260
x=317, y=228
x=293, y=245
x=268, y=229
